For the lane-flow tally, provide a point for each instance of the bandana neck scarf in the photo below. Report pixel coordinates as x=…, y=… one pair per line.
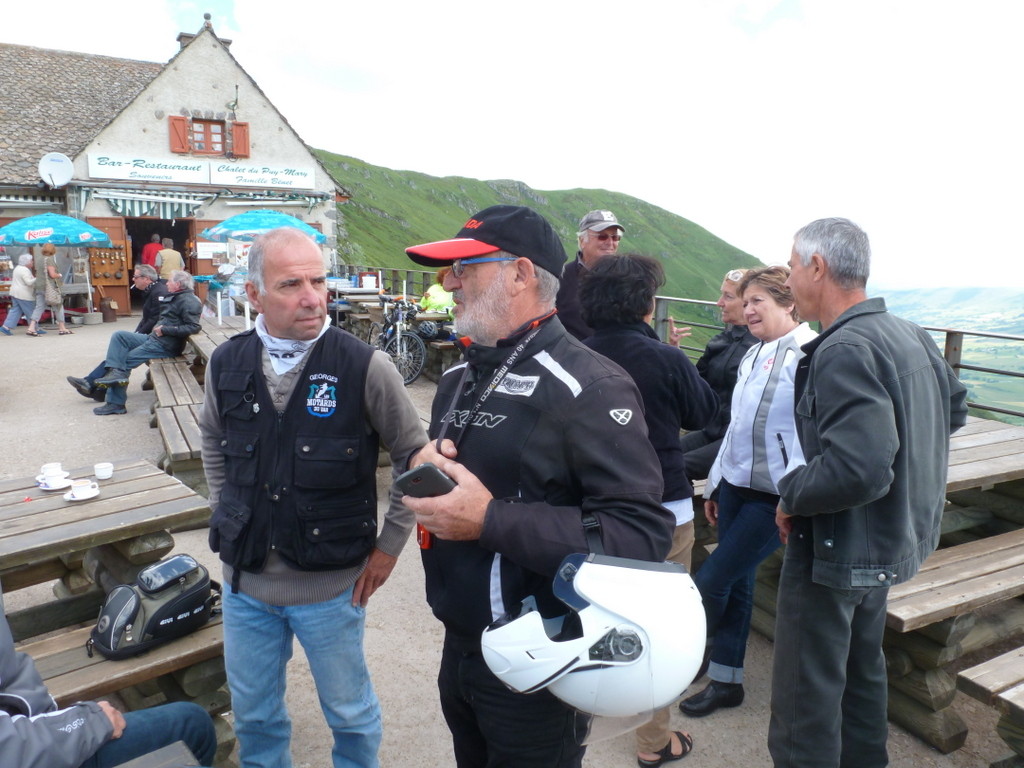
x=285, y=353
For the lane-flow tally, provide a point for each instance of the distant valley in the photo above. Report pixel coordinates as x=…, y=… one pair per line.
x=982, y=310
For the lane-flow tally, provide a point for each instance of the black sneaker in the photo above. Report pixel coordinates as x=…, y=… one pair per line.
x=114, y=377
x=81, y=386
x=110, y=409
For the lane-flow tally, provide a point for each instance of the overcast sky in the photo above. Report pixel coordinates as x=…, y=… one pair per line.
x=748, y=118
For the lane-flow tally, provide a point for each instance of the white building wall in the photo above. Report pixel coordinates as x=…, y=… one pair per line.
x=200, y=82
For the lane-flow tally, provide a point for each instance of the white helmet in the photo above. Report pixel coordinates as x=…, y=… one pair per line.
x=631, y=643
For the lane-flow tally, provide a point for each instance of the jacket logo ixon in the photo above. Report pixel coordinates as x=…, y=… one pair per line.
x=621, y=415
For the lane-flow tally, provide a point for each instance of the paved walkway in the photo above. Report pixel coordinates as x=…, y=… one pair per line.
x=44, y=419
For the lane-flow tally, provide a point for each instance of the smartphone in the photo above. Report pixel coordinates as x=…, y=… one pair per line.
x=424, y=480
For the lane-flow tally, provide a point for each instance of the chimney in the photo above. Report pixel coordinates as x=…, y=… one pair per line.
x=184, y=38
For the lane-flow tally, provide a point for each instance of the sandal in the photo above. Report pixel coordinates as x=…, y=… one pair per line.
x=31, y=333
x=64, y=333
x=665, y=754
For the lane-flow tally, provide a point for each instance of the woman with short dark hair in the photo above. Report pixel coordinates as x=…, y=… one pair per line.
x=617, y=300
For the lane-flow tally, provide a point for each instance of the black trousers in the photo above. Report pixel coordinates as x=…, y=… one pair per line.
x=829, y=687
x=495, y=727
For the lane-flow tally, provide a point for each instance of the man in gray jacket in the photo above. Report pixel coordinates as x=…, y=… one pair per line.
x=875, y=406
x=35, y=733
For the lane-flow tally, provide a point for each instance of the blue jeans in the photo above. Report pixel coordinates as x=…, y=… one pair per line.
x=150, y=729
x=747, y=534
x=19, y=308
x=127, y=350
x=257, y=647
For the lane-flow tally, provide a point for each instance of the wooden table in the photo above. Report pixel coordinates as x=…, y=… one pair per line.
x=985, y=452
x=43, y=537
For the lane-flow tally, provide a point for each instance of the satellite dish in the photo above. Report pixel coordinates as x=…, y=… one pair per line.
x=56, y=169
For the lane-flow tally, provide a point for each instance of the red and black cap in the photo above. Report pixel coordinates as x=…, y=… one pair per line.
x=520, y=231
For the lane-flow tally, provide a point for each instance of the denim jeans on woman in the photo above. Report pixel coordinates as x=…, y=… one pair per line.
x=257, y=647
x=747, y=534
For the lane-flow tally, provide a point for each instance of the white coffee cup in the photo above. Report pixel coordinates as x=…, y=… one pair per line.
x=103, y=471
x=53, y=468
x=81, y=489
x=53, y=475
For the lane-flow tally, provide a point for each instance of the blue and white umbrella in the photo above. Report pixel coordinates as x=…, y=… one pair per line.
x=249, y=225
x=55, y=229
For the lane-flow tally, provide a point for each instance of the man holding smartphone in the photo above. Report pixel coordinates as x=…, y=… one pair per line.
x=547, y=443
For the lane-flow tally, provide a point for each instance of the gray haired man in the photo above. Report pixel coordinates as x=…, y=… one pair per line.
x=875, y=406
x=599, y=235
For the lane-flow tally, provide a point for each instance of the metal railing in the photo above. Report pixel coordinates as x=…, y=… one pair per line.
x=951, y=340
x=702, y=315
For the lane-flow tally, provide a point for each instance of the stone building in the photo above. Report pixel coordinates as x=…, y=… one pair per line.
x=167, y=149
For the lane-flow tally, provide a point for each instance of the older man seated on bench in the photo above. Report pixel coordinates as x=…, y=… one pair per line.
x=180, y=310
x=34, y=733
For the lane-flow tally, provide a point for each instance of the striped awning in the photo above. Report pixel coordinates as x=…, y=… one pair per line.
x=30, y=201
x=162, y=205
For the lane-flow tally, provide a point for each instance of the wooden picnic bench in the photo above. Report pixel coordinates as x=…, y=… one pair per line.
x=179, y=397
x=88, y=547
x=999, y=682
x=441, y=355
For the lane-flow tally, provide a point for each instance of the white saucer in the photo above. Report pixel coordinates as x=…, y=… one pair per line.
x=65, y=483
x=92, y=494
x=40, y=478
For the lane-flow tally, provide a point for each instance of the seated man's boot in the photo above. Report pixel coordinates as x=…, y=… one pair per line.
x=81, y=386
x=715, y=696
x=110, y=409
x=114, y=377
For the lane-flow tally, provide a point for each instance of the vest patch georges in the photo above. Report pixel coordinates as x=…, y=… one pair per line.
x=322, y=396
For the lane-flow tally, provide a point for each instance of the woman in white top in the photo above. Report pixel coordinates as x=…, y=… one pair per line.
x=741, y=494
x=23, y=294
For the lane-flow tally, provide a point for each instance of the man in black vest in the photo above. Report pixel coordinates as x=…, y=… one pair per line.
x=293, y=417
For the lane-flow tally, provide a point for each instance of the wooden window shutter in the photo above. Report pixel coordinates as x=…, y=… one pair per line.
x=178, y=126
x=240, y=139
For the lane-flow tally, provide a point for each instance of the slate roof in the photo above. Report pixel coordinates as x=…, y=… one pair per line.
x=57, y=101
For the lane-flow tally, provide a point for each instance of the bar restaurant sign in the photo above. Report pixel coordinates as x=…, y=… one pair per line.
x=195, y=171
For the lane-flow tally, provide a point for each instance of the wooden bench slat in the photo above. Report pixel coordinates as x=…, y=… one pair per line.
x=986, y=681
x=953, y=599
x=71, y=675
x=1011, y=701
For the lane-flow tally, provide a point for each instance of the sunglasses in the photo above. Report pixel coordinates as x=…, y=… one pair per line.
x=459, y=265
x=605, y=236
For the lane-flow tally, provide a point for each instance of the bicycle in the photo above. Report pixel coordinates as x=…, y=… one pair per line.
x=396, y=338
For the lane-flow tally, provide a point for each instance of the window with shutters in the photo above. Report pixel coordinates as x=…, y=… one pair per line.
x=208, y=137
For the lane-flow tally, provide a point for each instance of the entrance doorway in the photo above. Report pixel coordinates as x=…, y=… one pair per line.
x=140, y=230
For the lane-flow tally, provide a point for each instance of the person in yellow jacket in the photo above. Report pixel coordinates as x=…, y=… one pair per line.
x=437, y=299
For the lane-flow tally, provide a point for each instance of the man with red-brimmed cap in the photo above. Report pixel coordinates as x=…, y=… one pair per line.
x=547, y=443
x=598, y=236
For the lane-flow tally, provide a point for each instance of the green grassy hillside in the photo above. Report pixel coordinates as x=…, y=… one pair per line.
x=390, y=210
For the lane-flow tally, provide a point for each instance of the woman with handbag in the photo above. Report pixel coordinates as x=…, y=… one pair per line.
x=48, y=293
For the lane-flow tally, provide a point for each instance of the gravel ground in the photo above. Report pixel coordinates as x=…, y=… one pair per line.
x=46, y=420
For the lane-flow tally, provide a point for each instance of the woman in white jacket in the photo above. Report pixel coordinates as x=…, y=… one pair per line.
x=741, y=492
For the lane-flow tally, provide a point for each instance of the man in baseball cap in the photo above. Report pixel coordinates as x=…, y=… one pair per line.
x=523, y=426
x=598, y=236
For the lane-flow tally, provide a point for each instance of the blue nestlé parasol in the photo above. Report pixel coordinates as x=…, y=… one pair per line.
x=249, y=225
x=55, y=229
